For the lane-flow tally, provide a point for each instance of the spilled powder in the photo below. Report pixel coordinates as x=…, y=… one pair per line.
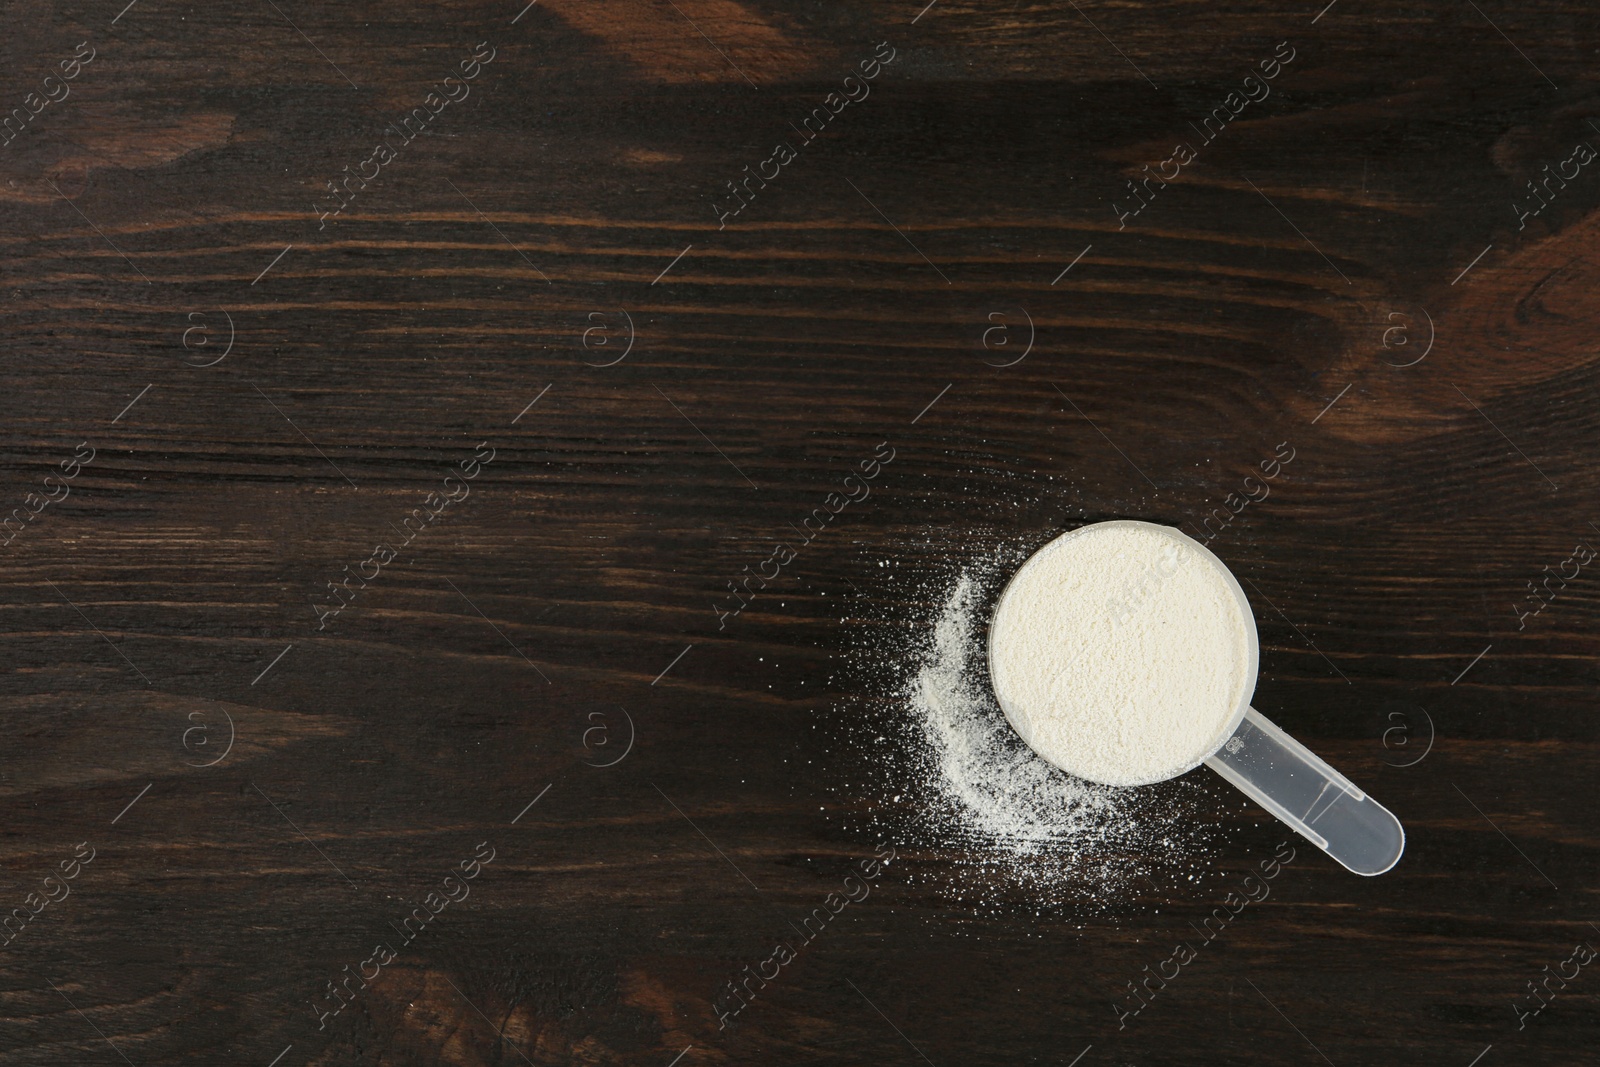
x=1001, y=788
x=959, y=785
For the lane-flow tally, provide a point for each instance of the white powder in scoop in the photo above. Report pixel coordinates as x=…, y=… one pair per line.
x=1120, y=652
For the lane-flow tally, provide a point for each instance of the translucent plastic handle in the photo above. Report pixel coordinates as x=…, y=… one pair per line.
x=1325, y=807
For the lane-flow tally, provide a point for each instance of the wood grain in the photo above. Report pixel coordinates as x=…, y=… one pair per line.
x=166, y=207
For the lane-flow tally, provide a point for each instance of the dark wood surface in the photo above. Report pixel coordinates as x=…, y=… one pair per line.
x=142, y=222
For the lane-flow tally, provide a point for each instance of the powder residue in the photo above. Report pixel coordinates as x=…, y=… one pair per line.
x=1018, y=831
x=1006, y=792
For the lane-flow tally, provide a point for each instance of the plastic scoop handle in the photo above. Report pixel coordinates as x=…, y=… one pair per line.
x=1322, y=805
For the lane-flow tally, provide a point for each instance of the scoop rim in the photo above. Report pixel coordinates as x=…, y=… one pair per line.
x=1252, y=644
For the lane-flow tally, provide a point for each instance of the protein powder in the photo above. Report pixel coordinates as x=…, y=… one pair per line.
x=1123, y=652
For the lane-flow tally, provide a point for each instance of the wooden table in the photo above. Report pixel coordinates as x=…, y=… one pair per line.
x=374, y=509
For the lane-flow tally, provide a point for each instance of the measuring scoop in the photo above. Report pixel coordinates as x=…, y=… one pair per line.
x=1126, y=653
